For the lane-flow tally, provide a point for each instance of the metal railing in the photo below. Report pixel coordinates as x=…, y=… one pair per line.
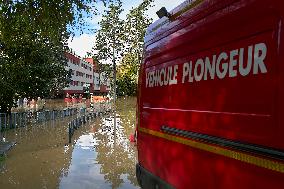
x=79, y=121
x=21, y=119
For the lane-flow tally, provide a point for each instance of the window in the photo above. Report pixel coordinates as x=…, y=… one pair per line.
x=88, y=76
x=71, y=71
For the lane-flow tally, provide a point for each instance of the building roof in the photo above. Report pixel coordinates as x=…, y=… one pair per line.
x=91, y=61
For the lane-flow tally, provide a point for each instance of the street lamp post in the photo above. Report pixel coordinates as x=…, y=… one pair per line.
x=114, y=73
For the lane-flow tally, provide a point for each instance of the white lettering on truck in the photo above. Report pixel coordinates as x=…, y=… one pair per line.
x=164, y=76
x=219, y=66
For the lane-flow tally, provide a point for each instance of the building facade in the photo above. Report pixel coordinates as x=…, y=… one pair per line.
x=85, y=72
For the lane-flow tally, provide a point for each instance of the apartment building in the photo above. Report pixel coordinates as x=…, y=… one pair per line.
x=85, y=71
x=82, y=73
x=101, y=81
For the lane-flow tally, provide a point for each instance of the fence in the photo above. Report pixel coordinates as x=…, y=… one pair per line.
x=79, y=121
x=21, y=119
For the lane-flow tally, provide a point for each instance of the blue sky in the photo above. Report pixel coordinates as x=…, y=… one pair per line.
x=83, y=43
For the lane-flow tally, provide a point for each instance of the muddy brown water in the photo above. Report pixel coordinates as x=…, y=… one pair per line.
x=100, y=156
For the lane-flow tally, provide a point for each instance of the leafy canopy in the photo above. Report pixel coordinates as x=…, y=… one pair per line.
x=124, y=39
x=33, y=38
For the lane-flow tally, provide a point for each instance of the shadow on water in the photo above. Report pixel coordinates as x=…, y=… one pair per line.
x=102, y=156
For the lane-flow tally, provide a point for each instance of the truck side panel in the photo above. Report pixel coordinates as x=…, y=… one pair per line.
x=245, y=109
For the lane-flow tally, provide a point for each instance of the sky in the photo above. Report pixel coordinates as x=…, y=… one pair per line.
x=83, y=43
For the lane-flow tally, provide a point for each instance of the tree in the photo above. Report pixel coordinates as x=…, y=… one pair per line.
x=109, y=39
x=127, y=75
x=33, y=38
x=110, y=36
x=135, y=29
x=124, y=39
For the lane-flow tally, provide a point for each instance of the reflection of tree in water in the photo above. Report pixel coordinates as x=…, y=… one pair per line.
x=115, y=154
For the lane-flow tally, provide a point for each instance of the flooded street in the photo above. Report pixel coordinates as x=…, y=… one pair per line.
x=100, y=155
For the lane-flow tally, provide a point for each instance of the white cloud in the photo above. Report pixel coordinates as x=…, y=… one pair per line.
x=82, y=44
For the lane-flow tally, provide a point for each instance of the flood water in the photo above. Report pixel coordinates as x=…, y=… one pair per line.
x=100, y=155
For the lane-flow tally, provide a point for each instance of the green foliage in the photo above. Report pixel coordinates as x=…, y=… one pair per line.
x=127, y=76
x=111, y=34
x=33, y=38
x=135, y=30
x=109, y=39
x=125, y=39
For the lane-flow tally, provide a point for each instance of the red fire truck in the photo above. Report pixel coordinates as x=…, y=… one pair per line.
x=211, y=97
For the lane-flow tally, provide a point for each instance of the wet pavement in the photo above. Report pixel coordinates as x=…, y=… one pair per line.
x=100, y=155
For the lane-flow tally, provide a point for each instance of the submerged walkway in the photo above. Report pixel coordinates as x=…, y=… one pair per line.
x=99, y=155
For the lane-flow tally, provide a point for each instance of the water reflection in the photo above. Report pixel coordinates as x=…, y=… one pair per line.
x=38, y=158
x=116, y=156
x=84, y=169
x=102, y=156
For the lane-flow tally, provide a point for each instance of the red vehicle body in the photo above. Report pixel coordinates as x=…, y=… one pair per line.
x=210, y=103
